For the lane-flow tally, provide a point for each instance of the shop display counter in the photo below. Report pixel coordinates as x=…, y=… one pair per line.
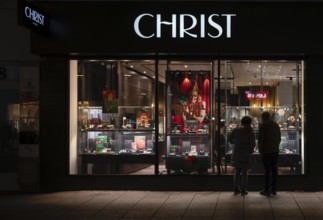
x=293, y=161
x=114, y=164
x=115, y=143
x=187, y=164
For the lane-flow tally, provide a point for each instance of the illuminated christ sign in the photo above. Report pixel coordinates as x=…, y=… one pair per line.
x=34, y=18
x=185, y=25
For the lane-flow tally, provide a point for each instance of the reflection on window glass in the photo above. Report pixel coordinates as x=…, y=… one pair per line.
x=19, y=115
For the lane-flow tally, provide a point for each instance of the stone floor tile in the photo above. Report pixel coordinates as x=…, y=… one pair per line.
x=228, y=213
x=312, y=212
x=197, y=218
x=303, y=194
x=264, y=217
x=169, y=213
x=229, y=205
x=287, y=213
x=147, y=206
x=311, y=205
x=174, y=205
x=133, y=213
x=258, y=212
x=202, y=206
x=290, y=218
x=199, y=213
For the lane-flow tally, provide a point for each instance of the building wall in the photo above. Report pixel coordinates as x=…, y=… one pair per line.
x=15, y=57
x=14, y=39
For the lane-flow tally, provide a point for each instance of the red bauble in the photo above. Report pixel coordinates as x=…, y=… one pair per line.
x=185, y=86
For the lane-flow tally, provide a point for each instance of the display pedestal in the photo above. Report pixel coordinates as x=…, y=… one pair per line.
x=188, y=164
x=115, y=164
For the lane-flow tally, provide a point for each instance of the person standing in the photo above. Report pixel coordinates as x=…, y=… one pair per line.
x=268, y=145
x=243, y=139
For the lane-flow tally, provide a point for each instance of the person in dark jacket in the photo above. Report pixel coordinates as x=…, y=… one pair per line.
x=243, y=139
x=268, y=145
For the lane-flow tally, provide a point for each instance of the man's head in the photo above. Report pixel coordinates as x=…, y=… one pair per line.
x=265, y=116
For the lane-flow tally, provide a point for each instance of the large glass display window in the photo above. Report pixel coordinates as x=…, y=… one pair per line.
x=112, y=117
x=189, y=112
x=276, y=86
x=173, y=117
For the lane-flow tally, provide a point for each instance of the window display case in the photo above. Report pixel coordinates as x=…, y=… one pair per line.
x=289, y=121
x=287, y=117
x=114, y=139
x=188, y=125
x=112, y=117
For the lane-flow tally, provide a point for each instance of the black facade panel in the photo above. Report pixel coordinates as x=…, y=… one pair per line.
x=53, y=122
x=268, y=28
x=313, y=110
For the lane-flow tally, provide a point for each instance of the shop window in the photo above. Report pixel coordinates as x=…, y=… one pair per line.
x=112, y=117
x=189, y=111
x=115, y=127
x=19, y=115
x=252, y=87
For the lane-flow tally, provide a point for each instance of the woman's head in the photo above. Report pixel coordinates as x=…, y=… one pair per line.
x=246, y=120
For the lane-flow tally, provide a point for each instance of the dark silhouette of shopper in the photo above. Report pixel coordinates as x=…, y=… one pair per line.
x=243, y=139
x=268, y=144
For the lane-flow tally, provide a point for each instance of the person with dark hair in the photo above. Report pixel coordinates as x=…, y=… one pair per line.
x=243, y=139
x=268, y=145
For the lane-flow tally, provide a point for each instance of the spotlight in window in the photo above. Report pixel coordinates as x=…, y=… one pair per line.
x=185, y=66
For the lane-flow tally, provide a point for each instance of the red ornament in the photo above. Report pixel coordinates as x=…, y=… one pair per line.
x=109, y=94
x=185, y=86
x=206, y=93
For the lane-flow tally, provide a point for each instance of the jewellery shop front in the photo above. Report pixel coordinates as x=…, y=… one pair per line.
x=143, y=95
